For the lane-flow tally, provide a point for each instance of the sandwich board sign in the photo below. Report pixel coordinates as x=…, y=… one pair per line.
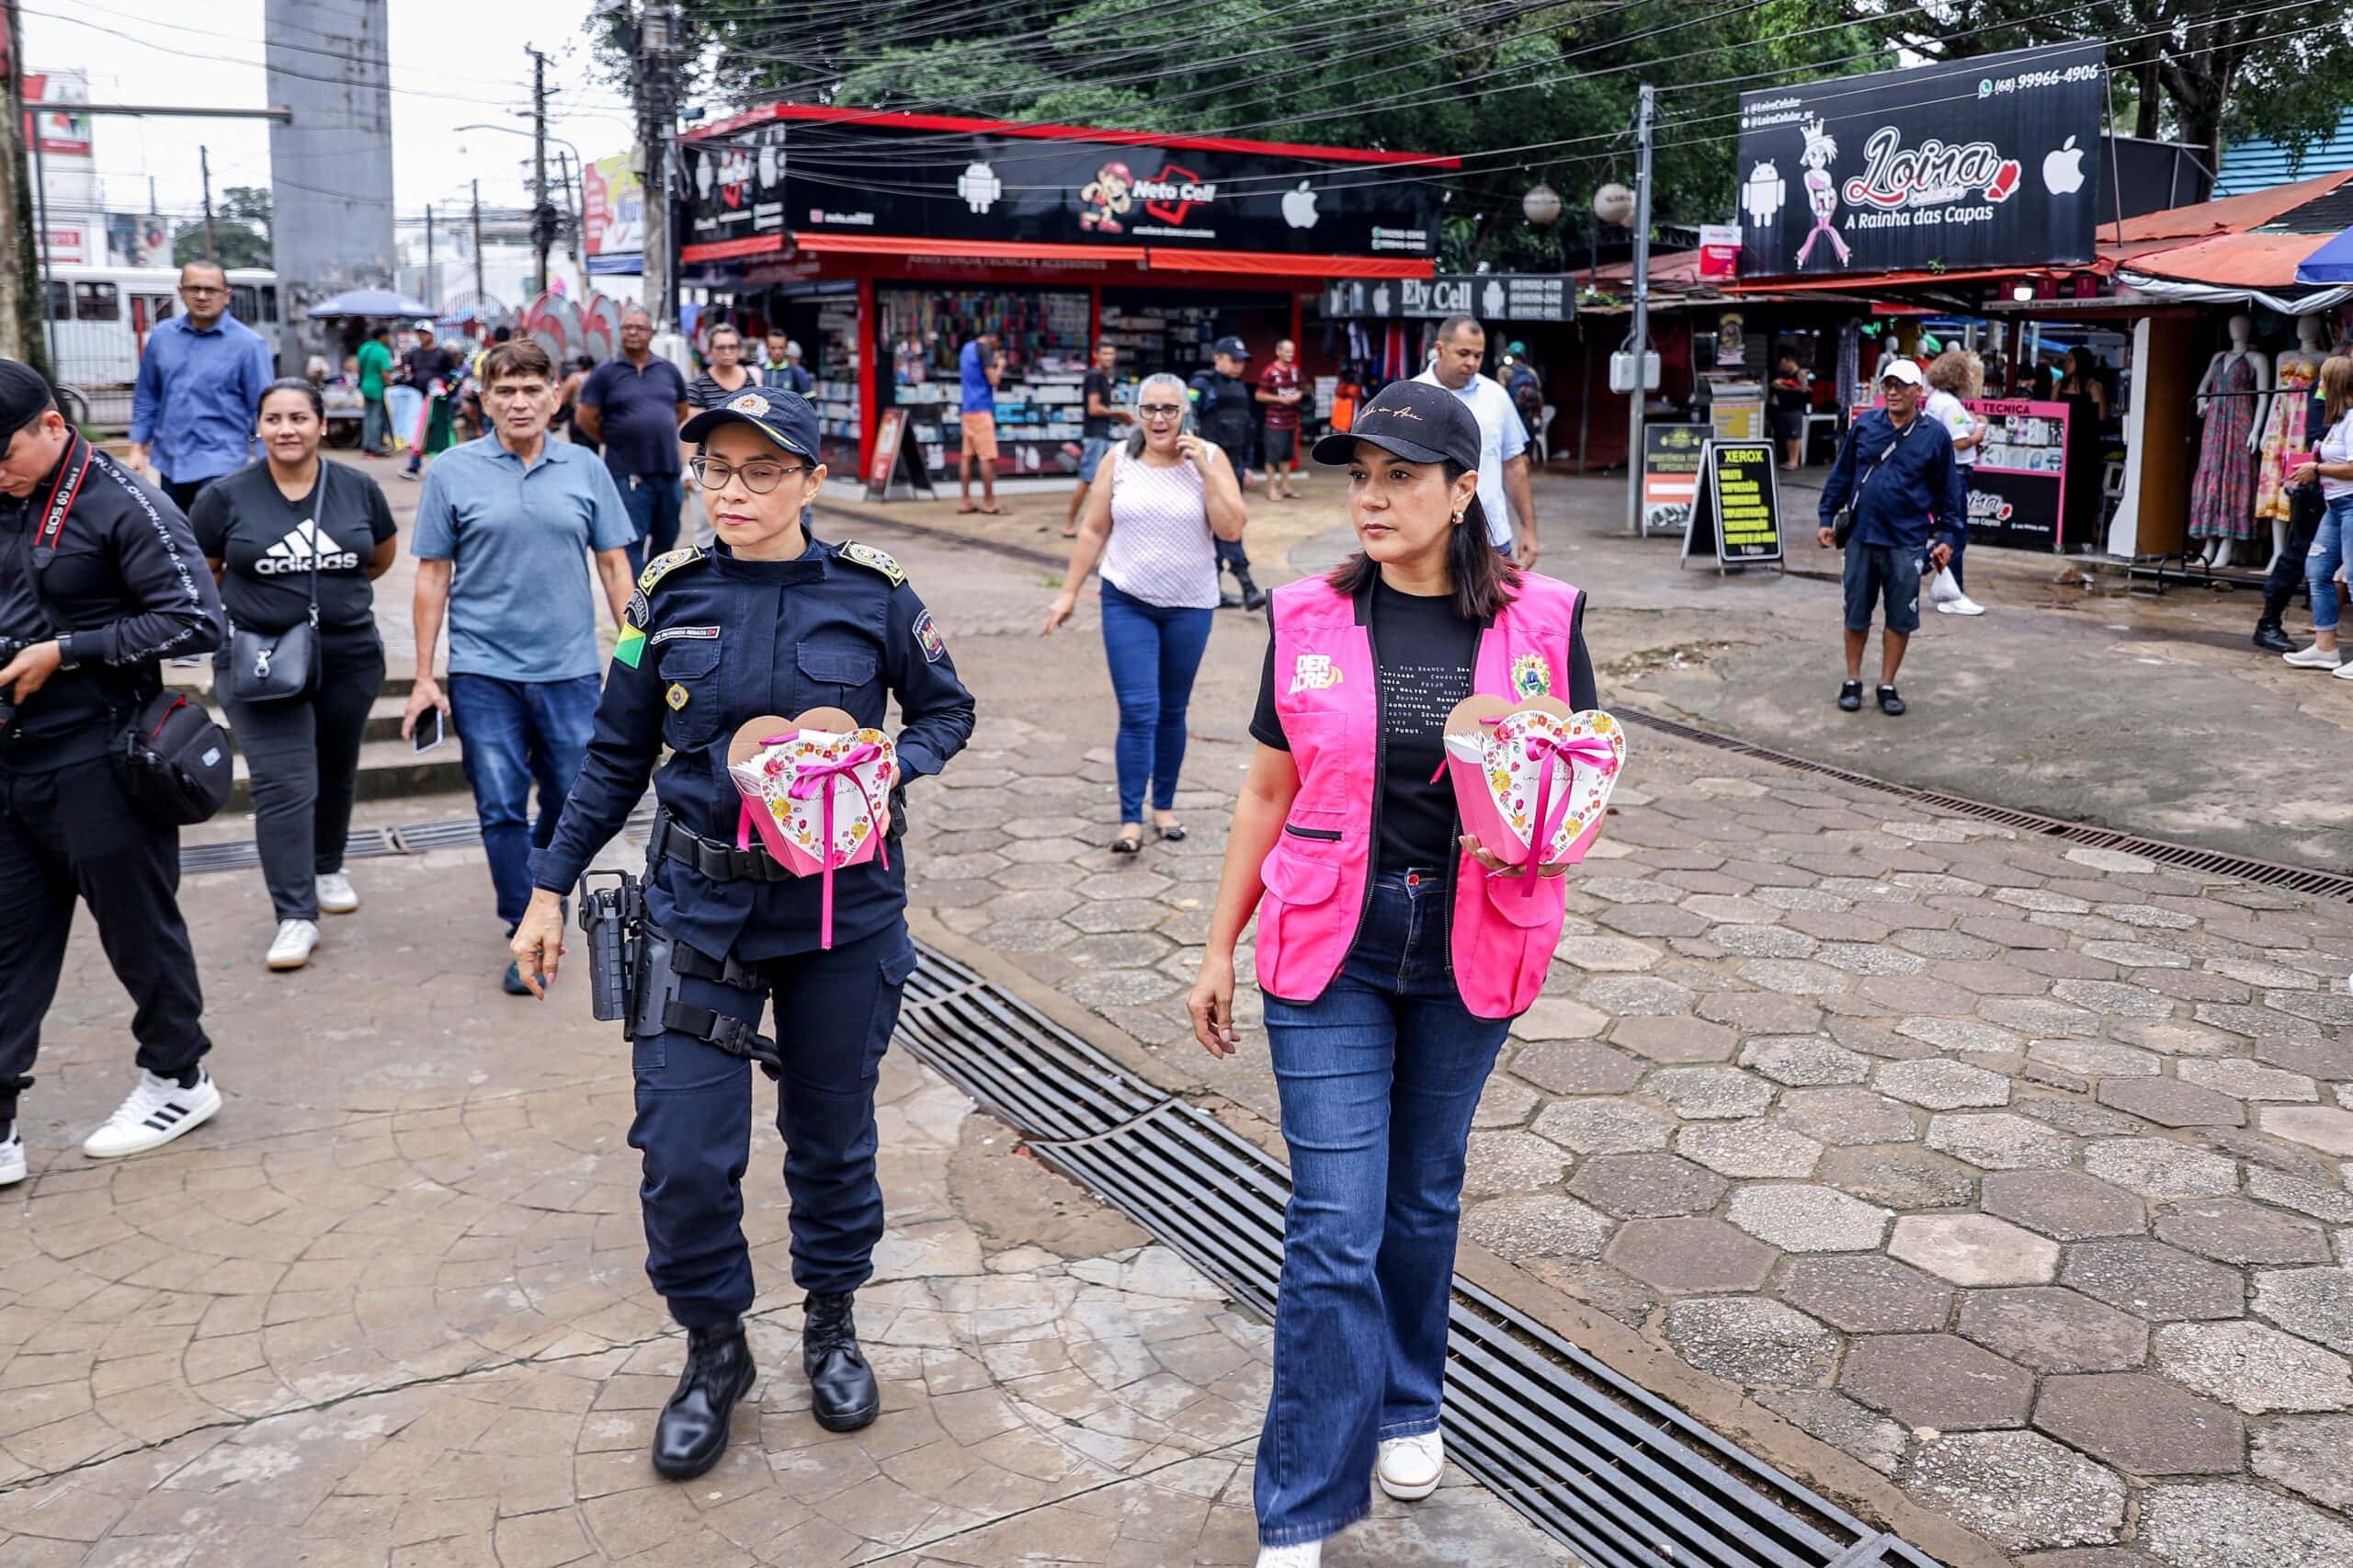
x=1738, y=504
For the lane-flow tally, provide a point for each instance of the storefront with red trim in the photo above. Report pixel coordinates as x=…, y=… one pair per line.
x=883, y=243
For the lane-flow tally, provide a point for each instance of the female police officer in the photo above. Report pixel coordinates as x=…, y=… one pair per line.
x=768, y=622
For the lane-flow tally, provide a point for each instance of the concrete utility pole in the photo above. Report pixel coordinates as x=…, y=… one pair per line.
x=656, y=83
x=1638, y=337
x=431, y=298
x=330, y=160
x=204, y=162
x=543, y=221
x=480, y=294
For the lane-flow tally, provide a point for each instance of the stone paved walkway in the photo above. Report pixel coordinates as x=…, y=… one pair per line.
x=2013, y=1170
x=388, y=1308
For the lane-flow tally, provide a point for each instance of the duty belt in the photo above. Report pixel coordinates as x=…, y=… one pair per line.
x=719, y=862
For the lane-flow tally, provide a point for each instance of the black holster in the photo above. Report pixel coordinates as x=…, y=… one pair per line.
x=635, y=969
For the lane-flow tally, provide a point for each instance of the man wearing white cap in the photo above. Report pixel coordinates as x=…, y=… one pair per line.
x=1896, y=470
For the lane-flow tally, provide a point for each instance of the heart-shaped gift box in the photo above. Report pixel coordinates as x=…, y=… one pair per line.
x=1532, y=775
x=814, y=789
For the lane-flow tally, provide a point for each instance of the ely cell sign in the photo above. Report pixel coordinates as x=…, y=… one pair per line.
x=749, y=190
x=1489, y=295
x=1979, y=162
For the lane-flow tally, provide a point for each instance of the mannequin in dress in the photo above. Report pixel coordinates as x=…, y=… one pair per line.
x=2233, y=396
x=2284, y=436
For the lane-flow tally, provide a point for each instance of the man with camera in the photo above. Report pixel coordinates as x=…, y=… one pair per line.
x=99, y=580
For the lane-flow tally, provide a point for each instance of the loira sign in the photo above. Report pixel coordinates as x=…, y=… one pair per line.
x=1977, y=163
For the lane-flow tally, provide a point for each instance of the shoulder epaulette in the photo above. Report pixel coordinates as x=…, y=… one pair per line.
x=662, y=565
x=873, y=560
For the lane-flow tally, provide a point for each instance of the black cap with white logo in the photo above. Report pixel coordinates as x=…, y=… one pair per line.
x=1419, y=422
x=784, y=417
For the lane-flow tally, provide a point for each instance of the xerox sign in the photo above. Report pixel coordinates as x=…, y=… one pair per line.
x=1971, y=163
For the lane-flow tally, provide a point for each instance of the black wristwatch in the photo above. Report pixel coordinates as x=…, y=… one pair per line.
x=66, y=659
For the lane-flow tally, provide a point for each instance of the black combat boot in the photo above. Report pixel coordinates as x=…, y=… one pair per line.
x=2269, y=638
x=692, y=1433
x=1254, y=597
x=843, y=1393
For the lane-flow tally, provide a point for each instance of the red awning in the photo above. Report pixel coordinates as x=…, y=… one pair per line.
x=731, y=250
x=2233, y=261
x=984, y=250
x=1275, y=264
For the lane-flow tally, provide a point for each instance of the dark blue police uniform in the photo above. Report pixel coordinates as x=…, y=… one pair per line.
x=713, y=642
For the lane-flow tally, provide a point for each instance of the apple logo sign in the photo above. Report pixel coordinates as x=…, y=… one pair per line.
x=1380, y=299
x=1299, y=207
x=2063, y=171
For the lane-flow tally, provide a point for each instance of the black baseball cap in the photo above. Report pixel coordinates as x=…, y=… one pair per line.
x=1231, y=344
x=23, y=395
x=784, y=417
x=1419, y=422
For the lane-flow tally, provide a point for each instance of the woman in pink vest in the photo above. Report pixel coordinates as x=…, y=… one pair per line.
x=1392, y=953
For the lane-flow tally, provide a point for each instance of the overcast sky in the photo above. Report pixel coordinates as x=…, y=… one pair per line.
x=454, y=63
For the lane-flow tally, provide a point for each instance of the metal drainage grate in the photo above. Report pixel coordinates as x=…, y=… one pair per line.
x=2180, y=857
x=366, y=843
x=1619, y=1475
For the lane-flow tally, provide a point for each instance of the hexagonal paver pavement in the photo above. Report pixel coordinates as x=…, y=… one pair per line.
x=2142, y=1424
x=1935, y=1379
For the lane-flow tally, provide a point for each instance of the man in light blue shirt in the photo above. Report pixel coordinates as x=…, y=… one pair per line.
x=505, y=531
x=199, y=391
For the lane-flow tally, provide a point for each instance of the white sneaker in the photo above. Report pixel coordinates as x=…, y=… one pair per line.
x=156, y=1111
x=12, y=1159
x=1961, y=605
x=2342, y=671
x=292, y=948
x=2314, y=658
x=336, y=895
x=1307, y=1554
x=1409, y=1467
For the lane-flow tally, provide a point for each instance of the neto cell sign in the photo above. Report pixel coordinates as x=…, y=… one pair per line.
x=1977, y=163
x=748, y=190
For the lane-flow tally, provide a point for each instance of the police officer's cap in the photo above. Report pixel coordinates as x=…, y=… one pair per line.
x=1418, y=422
x=784, y=417
x=23, y=397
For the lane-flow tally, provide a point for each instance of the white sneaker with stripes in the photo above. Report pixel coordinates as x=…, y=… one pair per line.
x=155, y=1111
x=12, y=1158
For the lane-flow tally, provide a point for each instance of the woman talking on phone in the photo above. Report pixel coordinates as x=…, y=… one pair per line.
x=1393, y=954
x=1159, y=502
x=295, y=542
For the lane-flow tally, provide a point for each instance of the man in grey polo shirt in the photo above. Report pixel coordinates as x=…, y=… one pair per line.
x=505, y=532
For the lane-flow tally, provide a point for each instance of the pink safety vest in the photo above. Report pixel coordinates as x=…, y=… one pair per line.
x=1318, y=874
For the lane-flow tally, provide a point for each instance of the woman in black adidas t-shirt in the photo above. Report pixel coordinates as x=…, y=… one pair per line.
x=265, y=531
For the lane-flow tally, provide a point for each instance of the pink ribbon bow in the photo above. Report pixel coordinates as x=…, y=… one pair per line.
x=1543, y=749
x=809, y=779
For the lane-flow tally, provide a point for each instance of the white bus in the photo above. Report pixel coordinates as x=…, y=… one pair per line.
x=99, y=318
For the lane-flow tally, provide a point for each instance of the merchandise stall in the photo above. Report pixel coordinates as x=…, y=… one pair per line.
x=885, y=242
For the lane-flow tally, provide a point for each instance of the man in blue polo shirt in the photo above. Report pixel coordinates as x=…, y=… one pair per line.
x=199, y=386
x=634, y=403
x=1898, y=469
x=505, y=530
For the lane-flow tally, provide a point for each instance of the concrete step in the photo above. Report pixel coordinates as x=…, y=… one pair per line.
x=388, y=771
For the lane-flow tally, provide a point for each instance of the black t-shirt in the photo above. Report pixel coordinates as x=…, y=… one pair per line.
x=1095, y=426
x=269, y=544
x=1428, y=654
x=1787, y=398
x=425, y=364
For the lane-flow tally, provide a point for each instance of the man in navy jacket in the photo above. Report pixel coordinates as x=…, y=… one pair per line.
x=1898, y=469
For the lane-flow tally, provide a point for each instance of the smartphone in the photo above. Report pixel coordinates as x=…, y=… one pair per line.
x=427, y=732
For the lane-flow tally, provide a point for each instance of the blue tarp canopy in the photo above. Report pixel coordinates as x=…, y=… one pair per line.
x=370, y=302
x=2332, y=264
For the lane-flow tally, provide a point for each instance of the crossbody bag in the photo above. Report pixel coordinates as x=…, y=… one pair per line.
x=278, y=666
x=1841, y=527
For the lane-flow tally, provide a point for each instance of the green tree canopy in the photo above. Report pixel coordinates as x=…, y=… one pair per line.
x=241, y=223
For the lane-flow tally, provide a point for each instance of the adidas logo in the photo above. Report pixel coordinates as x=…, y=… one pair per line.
x=305, y=547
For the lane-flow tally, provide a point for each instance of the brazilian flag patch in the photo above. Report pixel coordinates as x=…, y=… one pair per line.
x=630, y=647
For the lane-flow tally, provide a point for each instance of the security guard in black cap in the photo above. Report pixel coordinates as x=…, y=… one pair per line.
x=99, y=578
x=768, y=622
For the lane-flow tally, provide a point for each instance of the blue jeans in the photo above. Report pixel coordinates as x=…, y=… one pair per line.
x=373, y=428
x=1378, y=1079
x=2322, y=561
x=1155, y=653
x=518, y=733
x=652, y=501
